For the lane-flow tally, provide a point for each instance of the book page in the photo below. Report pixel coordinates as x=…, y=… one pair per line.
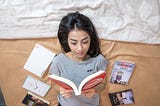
x=92, y=80
x=63, y=82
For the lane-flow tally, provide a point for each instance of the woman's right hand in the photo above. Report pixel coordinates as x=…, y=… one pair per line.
x=65, y=93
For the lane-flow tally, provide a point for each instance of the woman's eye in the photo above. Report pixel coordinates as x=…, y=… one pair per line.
x=85, y=42
x=73, y=43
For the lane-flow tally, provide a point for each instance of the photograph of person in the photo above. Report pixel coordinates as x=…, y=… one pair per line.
x=122, y=97
x=31, y=100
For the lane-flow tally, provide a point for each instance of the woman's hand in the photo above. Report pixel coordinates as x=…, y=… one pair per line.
x=89, y=92
x=65, y=93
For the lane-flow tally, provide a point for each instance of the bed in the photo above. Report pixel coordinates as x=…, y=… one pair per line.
x=128, y=30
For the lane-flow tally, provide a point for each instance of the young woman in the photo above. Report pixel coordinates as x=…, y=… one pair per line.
x=81, y=57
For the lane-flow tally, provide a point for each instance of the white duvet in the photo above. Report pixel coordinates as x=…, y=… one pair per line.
x=122, y=20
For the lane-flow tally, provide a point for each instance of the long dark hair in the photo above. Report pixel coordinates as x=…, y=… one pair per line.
x=81, y=22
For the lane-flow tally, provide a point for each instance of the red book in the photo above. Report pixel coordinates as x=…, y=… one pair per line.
x=87, y=83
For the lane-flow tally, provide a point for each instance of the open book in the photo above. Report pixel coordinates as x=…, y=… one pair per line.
x=87, y=83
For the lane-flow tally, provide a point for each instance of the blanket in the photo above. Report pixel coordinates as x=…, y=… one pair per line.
x=144, y=82
x=120, y=20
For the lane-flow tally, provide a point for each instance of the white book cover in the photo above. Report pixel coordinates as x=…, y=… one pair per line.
x=36, y=86
x=39, y=60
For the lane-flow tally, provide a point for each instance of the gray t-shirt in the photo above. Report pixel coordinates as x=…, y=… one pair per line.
x=77, y=71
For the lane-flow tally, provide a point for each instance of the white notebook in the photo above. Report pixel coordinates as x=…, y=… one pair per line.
x=39, y=60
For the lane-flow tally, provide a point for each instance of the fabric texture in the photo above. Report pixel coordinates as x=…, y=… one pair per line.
x=121, y=20
x=144, y=82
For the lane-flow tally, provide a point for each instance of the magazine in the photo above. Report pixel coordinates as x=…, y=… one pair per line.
x=122, y=72
x=89, y=82
x=32, y=100
x=122, y=97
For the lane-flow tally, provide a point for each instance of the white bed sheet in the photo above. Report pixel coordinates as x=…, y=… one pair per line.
x=122, y=20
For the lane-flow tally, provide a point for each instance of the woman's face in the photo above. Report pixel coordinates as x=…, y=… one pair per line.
x=79, y=43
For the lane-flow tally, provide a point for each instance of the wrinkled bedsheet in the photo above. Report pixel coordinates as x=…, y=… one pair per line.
x=120, y=20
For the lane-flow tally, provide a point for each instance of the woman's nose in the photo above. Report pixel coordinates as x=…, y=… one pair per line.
x=80, y=47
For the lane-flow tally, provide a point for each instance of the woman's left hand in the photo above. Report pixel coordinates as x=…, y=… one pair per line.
x=89, y=92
